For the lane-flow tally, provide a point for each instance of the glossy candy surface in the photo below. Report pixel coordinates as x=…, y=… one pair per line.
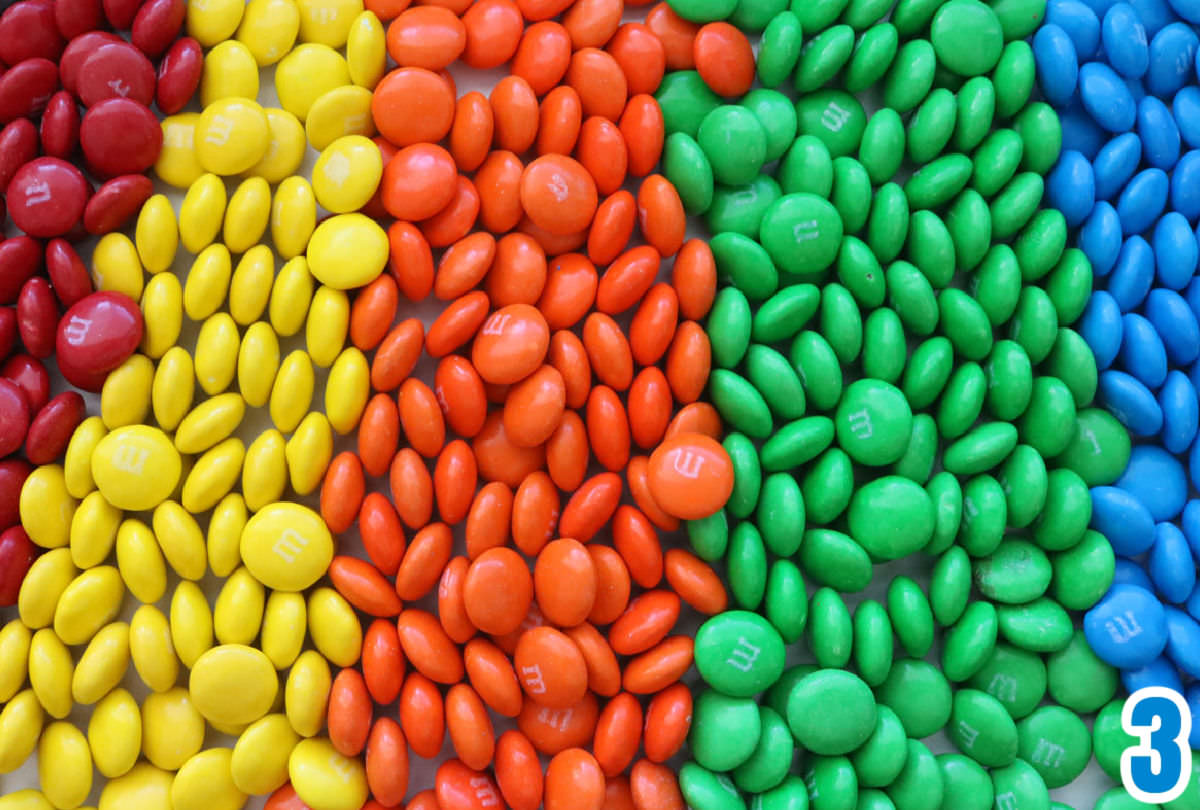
x=1135, y=135
x=779, y=402
x=887, y=361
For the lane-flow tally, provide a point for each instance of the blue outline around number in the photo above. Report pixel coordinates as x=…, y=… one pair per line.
x=1163, y=744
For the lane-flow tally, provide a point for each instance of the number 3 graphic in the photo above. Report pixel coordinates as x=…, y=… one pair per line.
x=1157, y=769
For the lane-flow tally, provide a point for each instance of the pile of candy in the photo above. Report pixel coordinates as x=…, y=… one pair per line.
x=270, y=551
x=885, y=348
x=530, y=649
x=48, y=197
x=850, y=450
x=116, y=465
x=1125, y=78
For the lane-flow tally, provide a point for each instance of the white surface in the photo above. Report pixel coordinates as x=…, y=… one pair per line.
x=1080, y=794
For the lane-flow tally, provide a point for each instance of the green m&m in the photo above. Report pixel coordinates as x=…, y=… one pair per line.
x=809, y=723
x=896, y=361
x=739, y=653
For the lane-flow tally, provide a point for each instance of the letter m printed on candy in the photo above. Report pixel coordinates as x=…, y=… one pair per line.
x=743, y=656
x=289, y=545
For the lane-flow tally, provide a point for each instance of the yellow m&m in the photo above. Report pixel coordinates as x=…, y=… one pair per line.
x=287, y=547
x=233, y=685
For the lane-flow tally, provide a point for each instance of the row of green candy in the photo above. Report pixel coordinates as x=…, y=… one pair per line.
x=1015, y=578
x=988, y=190
x=996, y=717
x=956, y=114
x=992, y=655
x=1017, y=18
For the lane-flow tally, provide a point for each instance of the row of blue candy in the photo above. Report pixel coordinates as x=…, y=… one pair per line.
x=1122, y=78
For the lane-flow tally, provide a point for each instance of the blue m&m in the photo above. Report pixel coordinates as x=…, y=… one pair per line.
x=1128, y=185
x=1128, y=627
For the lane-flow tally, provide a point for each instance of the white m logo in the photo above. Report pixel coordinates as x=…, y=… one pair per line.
x=834, y=117
x=743, y=655
x=342, y=767
x=484, y=791
x=560, y=720
x=180, y=137
x=130, y=458
x=76, y=330
x=1123, y=628
x=219, y=132
x=1048, y=753
x=1003, y=687
x=1007, y=801
x=37, y=192
x=289, y=545
x=968, y=733
x=532, y=677
x=860, y=424
x=495, y=324
x=806, y=230
x=687, y=463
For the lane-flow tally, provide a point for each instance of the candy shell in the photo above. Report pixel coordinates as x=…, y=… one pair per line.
x=1106, y=98
x=26, y=87
x=68, y=274
x=31, y=376
x=95, y=336
x=120, y=13
x=76, y=18
x=20, y=258
x=28, y=30
x=116, y=70
x=18, y=146
x=1124, y=39
x=1172, y=55
x=1157, y=480
x=1057, y=64
x=179, y=75
x=156, y=25
x=51, y=429
x=37, y=316
x=1115, y=163
x=1079, y=21
x=8, y=330
x=60, y=125
x=14, y=417
x=116, y=202
x=17, y=553
x=77, y=52
x=120, y=136
x=1127, y=628
x=1186, y=109
x=13, y=472
x=47, y=196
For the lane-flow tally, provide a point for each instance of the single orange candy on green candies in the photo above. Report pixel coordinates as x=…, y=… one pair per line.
x=690, y=476
x=724, y=59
